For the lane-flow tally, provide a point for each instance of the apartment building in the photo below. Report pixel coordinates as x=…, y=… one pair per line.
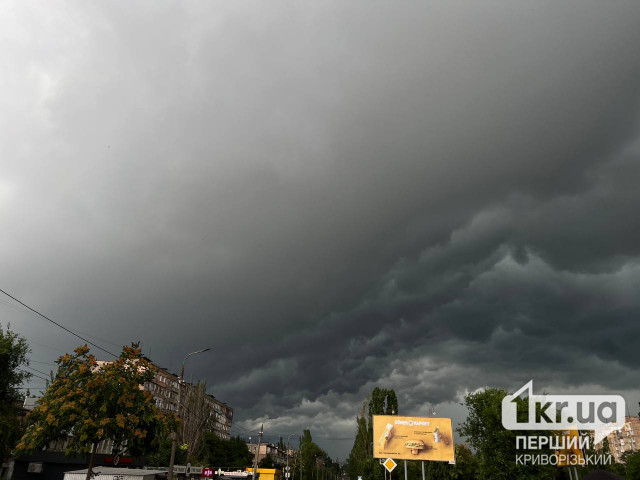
x=223, y=415
x=165, y=388
x=278, y=455
x=627, y=439
x=206, y=411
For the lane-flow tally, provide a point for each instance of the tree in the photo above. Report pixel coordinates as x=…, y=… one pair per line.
x=633, y=466
x=198, y=416
x=467, y=464
x=89, y=403
x=13, y=355
x=161, y=455
x=314, y=461
x=309, y=452
x=232, y=453
x=359, y=456
x=361, y=462
x=267, y=462
x=496, y=446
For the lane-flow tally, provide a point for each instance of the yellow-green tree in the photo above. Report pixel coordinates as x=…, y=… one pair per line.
x=90, y=402
x=13, y=356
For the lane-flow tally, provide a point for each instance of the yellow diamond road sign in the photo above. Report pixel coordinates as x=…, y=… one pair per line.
x=389, y=464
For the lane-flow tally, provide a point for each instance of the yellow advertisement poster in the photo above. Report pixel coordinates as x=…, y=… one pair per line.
x=413, y=438
x=572, y=455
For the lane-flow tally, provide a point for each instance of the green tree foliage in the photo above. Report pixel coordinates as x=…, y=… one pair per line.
x=360, y=455
x=467, y=464
x=160, y=456
x=13, y=355
x=98, y=402
x=218, y=453
x=495, y=446
x=268, y=462
x=361, y=462
x=309, y=453
x=465, y=468
x=313, y=460
x=633, y=466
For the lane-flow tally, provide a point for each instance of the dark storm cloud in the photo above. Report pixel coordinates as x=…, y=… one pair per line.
x=488, y=298
x=434, y=197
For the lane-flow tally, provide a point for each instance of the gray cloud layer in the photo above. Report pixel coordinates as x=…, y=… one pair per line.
x=433, y=196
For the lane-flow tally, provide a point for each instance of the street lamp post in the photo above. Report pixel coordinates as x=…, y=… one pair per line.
x=175, y=434
x=255, y=459
x=288, y=449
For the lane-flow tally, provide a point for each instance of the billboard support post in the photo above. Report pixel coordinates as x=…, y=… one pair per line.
x=405, y=470
x=423, y=470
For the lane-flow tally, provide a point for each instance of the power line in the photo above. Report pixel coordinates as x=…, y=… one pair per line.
x=37, y=376
x=276, y=434
x=44, y=363
x=50, y=347
x=37, y=371
x=250, y=431
x=22, y=310
x=57, y=324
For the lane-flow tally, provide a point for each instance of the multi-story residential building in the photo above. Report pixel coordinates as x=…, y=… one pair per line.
x=223, y=415
x=165, y=388
x=206, y=411
x=278, y=455
x=627, y=439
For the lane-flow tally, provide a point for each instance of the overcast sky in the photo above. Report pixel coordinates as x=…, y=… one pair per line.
x=426, y=196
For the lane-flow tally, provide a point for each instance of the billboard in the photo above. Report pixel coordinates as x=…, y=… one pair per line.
x=413, y=438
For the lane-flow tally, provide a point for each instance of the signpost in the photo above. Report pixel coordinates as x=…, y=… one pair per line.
x=389, y=464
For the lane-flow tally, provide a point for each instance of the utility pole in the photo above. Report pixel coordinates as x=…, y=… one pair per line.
x=255, y=460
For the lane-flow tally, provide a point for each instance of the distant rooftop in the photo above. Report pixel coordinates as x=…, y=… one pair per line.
x=30, y=403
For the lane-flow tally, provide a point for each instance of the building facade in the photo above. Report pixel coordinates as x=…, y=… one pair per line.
x=164, y=387
x=278, y=455
x=625, y=440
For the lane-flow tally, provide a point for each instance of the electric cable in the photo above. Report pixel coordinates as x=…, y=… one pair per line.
x=57, y=324
x=37, y=371
x=36, y=376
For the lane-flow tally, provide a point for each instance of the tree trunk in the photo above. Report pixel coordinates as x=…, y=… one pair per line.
x=92, y=460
